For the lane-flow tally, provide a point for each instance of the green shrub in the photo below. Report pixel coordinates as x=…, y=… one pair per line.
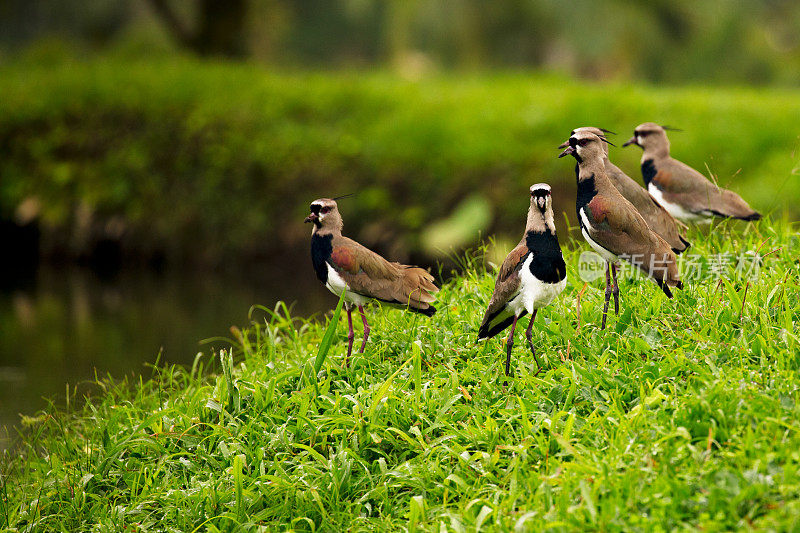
x=199, y=160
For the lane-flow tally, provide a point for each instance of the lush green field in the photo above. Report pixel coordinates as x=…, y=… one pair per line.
x=164, y=155
x=683, y=414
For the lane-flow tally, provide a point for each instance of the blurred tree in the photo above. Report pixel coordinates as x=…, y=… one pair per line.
x=219, y=28
x=662, y=41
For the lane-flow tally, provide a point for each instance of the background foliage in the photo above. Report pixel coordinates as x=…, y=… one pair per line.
x=198, y=160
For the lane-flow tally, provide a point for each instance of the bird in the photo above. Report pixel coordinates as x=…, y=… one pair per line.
x=345, y=266
x=653, y=213
x=531, y=276
x=611, y=224
x=684, y=192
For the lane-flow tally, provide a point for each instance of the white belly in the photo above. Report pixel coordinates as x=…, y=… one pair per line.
x=605, y=254
x=534, y=293
x=676, y=210
x=337, y=286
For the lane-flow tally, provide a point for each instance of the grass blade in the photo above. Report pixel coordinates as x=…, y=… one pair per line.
x=384, y=388
x=327, y=338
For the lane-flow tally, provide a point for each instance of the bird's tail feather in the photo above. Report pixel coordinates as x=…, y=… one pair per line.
x=497, y=322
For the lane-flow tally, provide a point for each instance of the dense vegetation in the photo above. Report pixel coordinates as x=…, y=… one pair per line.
x=683, y=414
x=203, y=160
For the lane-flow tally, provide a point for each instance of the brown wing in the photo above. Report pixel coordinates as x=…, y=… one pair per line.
x=618, y=227
x=512, y=263
x=683, y=185
x=505, y=288
x=369, y=274
x=657, y=218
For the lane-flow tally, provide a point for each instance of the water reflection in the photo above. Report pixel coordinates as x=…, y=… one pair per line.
x=67, y=324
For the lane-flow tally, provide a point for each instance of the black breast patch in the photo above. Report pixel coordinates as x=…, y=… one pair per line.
x=648, y=171
x=586, y=192
x=321, y=249
x=547, y=264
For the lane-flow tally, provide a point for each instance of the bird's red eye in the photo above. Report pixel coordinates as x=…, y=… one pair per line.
x=583, y=142
x=325, y=210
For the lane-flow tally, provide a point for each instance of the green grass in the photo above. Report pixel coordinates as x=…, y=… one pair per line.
x=160, y=155
x=683, y=414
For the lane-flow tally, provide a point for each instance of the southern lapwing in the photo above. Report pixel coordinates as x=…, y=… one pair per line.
x=531, y=276
x=613, y=226
x=343, y=265
x=653, y=213
x=684, y=192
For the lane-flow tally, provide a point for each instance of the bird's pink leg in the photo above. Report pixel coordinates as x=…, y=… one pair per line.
x=509, y=345
x=615, y=288
x=608, y=295
x=529, y=336
x=350, y=335
x=366, y=328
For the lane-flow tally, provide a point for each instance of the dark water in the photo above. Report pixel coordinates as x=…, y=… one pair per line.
x=59, y=327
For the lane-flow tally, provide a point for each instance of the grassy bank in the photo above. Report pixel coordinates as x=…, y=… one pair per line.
x=682, y=415
x=162, y=155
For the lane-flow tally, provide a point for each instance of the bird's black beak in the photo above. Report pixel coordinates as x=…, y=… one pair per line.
x=311, y=218
x=569, y=151
x=630, y=141
x=564, y=144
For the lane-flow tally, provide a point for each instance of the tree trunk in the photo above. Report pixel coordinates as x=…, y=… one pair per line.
x=219, y=29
